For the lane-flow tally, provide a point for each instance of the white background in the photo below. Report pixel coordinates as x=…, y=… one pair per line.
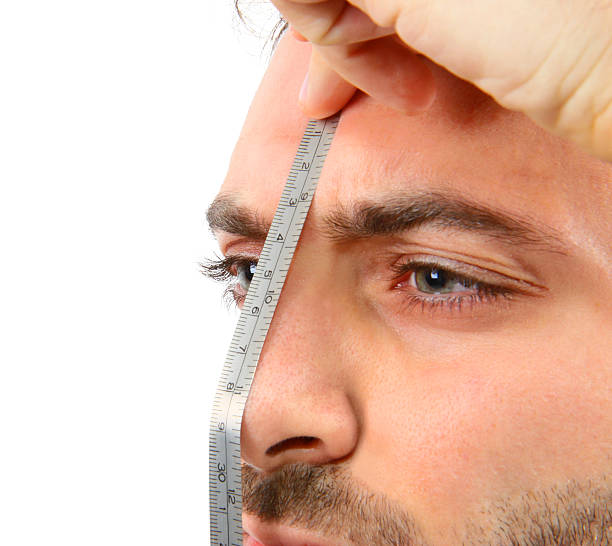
x=117, y=120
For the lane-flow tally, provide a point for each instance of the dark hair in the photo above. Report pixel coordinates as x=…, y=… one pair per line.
x=273, y=36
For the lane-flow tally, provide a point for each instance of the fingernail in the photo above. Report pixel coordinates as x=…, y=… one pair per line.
x=304, y=91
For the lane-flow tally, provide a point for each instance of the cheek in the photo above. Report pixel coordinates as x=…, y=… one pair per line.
x=457, y=429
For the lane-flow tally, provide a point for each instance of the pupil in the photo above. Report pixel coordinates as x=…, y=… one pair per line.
x=436, y=278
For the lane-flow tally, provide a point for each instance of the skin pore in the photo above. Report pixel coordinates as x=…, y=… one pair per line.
x=438, y=369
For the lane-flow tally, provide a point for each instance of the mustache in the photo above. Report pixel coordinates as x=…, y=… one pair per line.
x=325, y=500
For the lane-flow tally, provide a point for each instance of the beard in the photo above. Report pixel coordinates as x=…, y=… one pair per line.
x=326, y=500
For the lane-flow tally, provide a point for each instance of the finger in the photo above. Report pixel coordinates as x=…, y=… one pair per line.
x=384, y=68
x=330, y=22
x=324, y=92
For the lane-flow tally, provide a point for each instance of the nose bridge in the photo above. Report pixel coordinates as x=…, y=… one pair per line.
x=299, y=408
x=302, y=320
x=305, y=326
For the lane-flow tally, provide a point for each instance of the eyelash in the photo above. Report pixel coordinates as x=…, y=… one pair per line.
x=224, y=270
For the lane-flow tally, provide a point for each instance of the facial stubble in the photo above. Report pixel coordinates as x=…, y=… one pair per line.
x=326, y=500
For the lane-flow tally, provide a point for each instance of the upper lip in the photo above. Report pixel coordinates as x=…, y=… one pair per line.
x=276, y=534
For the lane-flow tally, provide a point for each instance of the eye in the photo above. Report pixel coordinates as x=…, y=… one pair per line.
x=438, y=284
x=434, y=280
x=244, y=274
x=236, y=272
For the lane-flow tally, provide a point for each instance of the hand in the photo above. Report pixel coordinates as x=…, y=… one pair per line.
x=551, y=59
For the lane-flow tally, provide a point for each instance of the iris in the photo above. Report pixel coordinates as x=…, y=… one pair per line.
x=432, y=280
x=245, y=274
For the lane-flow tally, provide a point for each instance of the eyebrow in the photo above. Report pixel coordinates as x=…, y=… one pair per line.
x=224, y=214
x=395, y=214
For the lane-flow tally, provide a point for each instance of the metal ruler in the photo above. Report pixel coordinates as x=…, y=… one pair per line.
x=224, y=452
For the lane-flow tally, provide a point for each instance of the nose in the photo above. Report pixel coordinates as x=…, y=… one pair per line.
x=300, y=407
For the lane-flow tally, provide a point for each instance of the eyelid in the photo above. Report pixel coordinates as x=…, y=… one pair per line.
x=239, y=245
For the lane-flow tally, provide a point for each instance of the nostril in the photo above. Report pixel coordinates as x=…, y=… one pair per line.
x=297, y=442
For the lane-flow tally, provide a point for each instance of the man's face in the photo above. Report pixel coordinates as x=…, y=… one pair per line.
x=439, y=367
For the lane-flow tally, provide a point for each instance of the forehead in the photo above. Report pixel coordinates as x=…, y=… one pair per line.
x=465, y=144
